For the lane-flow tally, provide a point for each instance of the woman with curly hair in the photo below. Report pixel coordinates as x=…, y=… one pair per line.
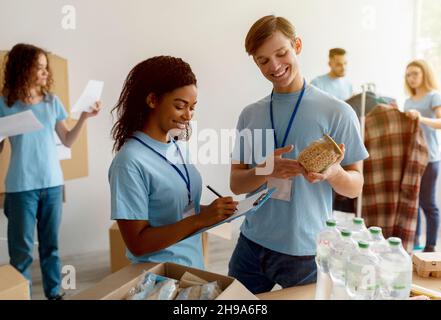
x=155, y=191
x=34, y=179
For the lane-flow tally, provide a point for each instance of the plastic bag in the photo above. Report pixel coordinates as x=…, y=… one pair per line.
x=145, y=287
x=164, y=290
x=190, y=293
x=210, y=291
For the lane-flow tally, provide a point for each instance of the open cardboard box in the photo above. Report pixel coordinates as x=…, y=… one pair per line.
x=117, y=285
x=13, y=286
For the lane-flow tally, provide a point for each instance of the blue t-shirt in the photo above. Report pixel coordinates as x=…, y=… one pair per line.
x=144, y=186
x=339, y=88
x=425, y=107
x=34, y=162
x=292, y=227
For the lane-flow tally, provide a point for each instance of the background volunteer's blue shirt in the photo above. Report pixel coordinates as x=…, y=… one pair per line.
x=292, y=227
x=34, y=162
x=425, y=107
x=339, y=88
x=145, y=187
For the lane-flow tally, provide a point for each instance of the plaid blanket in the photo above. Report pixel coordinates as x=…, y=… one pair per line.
x=392, y=173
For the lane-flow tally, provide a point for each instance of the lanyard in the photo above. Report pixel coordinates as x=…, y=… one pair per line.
x=186, y=180
x=291, y=120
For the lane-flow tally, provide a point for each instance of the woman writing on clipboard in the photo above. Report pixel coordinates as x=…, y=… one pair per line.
x=155, y=192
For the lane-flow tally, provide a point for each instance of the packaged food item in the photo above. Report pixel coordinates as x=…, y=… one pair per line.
x=210, y=291
x=143, y=288
x=149, y=285
x=190, y=293
x=189, y=287
x=320, y=154
x=164, y=290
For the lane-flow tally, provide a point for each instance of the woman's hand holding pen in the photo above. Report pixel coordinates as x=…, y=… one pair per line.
x=218, y=210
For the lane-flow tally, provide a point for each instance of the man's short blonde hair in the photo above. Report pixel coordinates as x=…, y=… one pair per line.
x=263, y=28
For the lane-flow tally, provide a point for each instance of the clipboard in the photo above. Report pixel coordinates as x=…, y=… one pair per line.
x=245, y=207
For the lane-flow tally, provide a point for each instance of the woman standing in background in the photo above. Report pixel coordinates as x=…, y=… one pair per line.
x=34, y=180
x=424, y=103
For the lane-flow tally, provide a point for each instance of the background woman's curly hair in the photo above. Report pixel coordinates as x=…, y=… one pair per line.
x=157, y=75
x=21, y=65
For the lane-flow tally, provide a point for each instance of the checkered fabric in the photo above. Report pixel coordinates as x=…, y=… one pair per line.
x=393, y=172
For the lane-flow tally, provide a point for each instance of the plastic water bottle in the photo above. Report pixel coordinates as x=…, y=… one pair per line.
x=395, y=271
x=343, y=219
x=359, y=230
x=362, y=279
x=324, y=241
x=340, y=252
x=378, y=244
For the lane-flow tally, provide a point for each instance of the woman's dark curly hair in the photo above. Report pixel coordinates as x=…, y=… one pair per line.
x=157, y=75
x=20, y=70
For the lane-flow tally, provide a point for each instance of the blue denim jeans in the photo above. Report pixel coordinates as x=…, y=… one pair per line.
x=259, y=268
x=428, y=204
x=25, y=210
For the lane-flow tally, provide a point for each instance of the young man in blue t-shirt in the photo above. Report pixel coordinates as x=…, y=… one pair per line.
x=277, y=243
x=335, y=81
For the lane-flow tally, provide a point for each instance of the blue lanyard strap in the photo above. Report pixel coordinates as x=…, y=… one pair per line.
x=291, y=120
x=186, y=180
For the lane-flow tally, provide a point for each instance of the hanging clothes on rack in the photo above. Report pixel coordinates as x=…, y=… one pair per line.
x=392, y=173
x=362, y=104
x=372, y=100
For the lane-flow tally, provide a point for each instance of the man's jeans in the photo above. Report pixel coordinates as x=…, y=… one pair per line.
x=259, y=268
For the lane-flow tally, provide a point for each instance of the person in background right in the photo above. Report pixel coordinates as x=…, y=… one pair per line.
x=335, y=82
x=424, y=103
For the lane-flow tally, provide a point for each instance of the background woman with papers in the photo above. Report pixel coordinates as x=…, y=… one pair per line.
x=34, y=180
x=155, y=191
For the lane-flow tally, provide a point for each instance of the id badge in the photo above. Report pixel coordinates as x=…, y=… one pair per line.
x=284, y=187
x=189, y=211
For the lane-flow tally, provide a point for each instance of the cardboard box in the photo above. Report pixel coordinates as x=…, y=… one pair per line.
x=77, y=166
x=118, y=259
x=306, y=292
x=117, y=285
x=427, y=264
x=13, y=286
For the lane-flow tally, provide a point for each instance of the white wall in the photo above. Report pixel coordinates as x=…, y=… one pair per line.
x=111, y=36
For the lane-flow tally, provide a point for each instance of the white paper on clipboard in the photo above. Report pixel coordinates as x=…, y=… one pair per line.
x=246, y=206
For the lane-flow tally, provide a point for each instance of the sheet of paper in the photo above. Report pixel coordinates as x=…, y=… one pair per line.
x=245, y=206
x=90, y=95
x=19, y=123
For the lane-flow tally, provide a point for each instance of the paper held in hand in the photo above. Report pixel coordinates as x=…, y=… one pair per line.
x=19, y=123
x=91, y=94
